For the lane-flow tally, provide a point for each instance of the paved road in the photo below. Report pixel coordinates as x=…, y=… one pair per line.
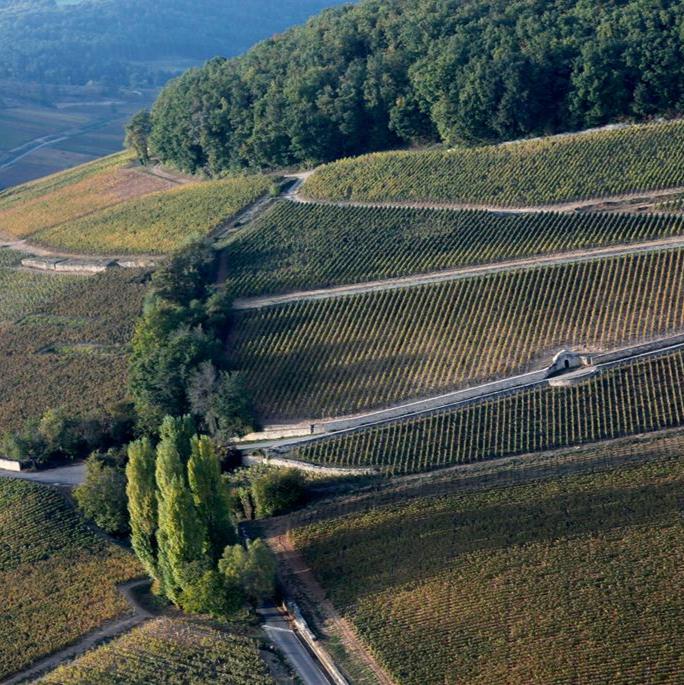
x=63, y=475
x=459, y=273
x=288, y=643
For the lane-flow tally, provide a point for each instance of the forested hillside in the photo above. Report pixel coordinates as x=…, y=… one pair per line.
x=132, y=42
x=388, y=72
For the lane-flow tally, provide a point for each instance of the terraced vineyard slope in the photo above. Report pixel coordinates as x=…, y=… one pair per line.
x=572, y=579
x=333, y=357
x=304, y=246
x=166, y=652
x=57, y=577
x=67, y=348
x=115, y=207
x=635, y=398
x=633, y=159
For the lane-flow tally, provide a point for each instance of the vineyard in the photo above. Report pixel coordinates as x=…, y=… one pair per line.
x=169, y=652
x=570, y=580
x=23, y=291
x=58, y=578
x=331, y=357
x=305, y=246
x=537, y=172
x=160, y=222
x=636, y=398
x=70, y=351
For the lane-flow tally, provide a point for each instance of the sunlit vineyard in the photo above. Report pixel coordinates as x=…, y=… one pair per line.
x=57, y=577
x=70, y=350
x=158, y=222
x=338, y=356
x=169, y=652
x=22, y=290
x=567, y=580
x=299, y=246
x=544, y=171
x=635, y=398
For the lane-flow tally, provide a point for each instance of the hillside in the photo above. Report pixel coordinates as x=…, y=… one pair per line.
x=540, y=577
x=115, y=206
x=58, y=577
x=384, y=74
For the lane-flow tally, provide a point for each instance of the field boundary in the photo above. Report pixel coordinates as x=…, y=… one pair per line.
x=105, y=632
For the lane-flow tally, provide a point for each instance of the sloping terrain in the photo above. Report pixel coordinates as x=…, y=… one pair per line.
x=570, y=578
x=58, y=578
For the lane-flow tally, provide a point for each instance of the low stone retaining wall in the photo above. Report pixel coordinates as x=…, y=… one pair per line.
x=11, y=465
x=258, y=460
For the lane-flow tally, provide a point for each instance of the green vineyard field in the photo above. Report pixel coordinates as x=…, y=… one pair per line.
x=538, y=172
x=635, y=398
x=70, y=350
x=169, y=652
x=305, y=246
x=333, y=357
x=573, y=579
x=23, y=291
x=58, y=578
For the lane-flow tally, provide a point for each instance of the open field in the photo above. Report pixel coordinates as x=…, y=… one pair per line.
x=331, y=357
x=572, y=579
x=305, y=246
x=537, y=172
x=160, y=222
x=635, y=398
x=23, y=291
x=169, y=652
x=57, y=577
x=69, y=351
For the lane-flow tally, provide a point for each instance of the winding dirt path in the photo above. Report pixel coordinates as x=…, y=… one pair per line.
x=107, y=631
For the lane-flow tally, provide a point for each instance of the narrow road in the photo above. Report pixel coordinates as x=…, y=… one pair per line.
x=108, y=631
x=69, y=476
x=288, y=643
x=622, y=201
x=333, y=428
x=461, y=272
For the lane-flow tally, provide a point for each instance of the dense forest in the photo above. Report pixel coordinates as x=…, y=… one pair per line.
x=384, y=73
x=132, y=42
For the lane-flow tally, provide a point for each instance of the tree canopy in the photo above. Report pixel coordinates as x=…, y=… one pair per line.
x=385, y=73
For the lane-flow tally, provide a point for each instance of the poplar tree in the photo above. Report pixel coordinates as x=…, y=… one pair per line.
x=204, y=476
x=141, y=489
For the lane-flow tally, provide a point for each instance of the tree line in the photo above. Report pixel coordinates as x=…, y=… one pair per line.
x=387, y=73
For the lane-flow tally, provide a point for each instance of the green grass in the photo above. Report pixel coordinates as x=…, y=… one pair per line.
x=39, y=368
x=169, y=652
x=160, y=222
x=567, y=580
x=57, y=577
x=538, y=172
x=305, y=246
x=331, y=357
x=635, y=398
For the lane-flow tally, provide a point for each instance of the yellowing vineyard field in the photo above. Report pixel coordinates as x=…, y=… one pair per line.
x=538, y=172
x=566, y=580
x=169, y=652
x=635, y=398
x=69, y=350
x=57, y=577
x=331, y=357
x=304, y=246
x=160, y=222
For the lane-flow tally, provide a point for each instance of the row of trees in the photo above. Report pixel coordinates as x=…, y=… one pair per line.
x=384, y=73
x=181, y=528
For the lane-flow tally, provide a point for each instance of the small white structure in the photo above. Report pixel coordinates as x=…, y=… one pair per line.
x=567, y=360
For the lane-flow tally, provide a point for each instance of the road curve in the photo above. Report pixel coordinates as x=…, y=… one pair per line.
x=68, y=476
x=461, y=272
